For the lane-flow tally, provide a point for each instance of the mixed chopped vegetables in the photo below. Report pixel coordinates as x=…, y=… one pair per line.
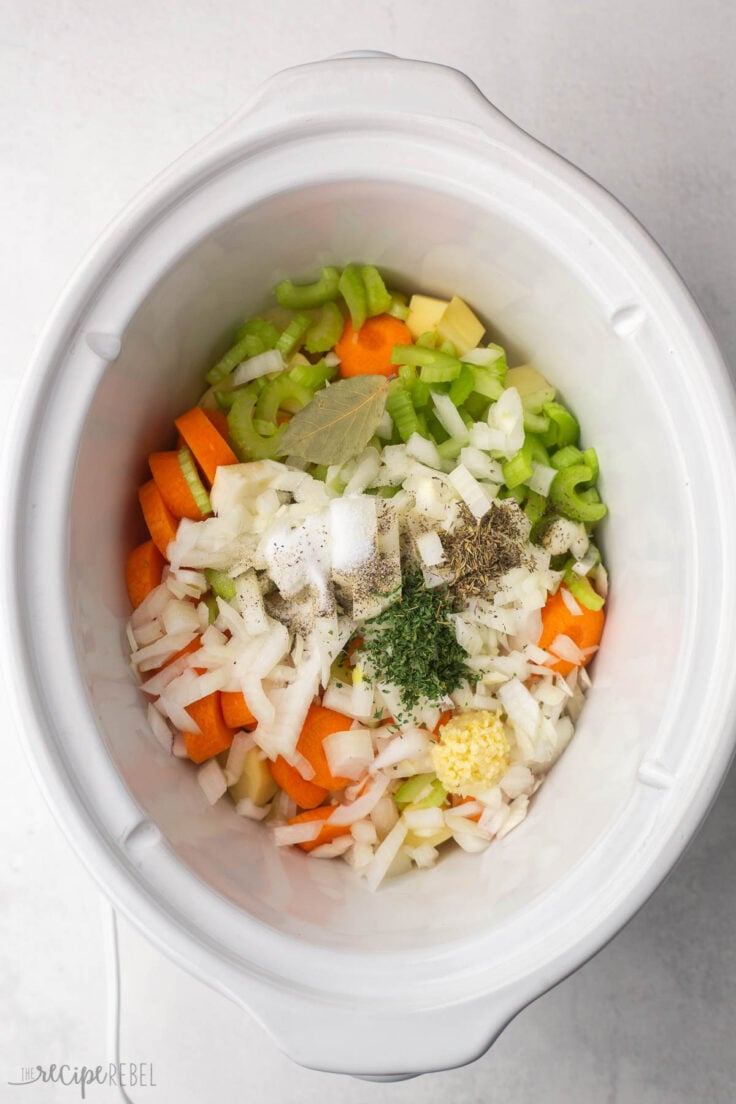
x=371, y=588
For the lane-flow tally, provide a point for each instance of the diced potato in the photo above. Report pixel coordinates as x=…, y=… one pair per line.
x=255, y=782
x=534, y=389
x=459, y=325
x=414, y=839
x=424, y=314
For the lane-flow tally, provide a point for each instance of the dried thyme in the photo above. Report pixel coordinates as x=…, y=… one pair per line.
x=479, y=552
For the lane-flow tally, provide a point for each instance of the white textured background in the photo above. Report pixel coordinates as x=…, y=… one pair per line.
x=97, y=97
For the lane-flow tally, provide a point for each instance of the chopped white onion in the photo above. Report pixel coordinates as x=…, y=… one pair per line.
x=565, y=648
x=364, y=831
x=304, y=832
x=385, y=854
x=424, y=818
x=348, y=753
x=473, y=495
x=261, y=365
x=423, y=450
x=449, y=417
x=247, y=808
x=334, y=849
x=408, y=744
x=429, y=547
x=363, y=805
x=160, y=729
x=571, y=603
x=239, y=748
x=212, y=780
x=541, y=478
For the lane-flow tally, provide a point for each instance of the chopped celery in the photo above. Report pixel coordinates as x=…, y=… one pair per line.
x=537, y=451
x=232, y=358
x=422, y=427
x=247, y=443
x=222, y=584
x=312, y=375
x=450, y=448
x=535, y=507
x=564, y=428
x=293, y=335
x=476, y=405
x=407, y=374
x=582, y=590
x=266, y=429
x=377, y=298
x=486, y=383
x=412, y=789
x=590, y=494
x=420, y=357
x=401, y=409
x=564, y=495
x=427, y=340
x=305, y=296
x=318, y=471
x=440, y=373
x=500, y=364
x=448, y=347
x=281, y=393
x=352, y=289
x=398, y=307
x=384, y=492
x=323, y=334
x=590, y=457
x=213, y=612
x=462, y=386
x=519, y=468
x=420, y=394
x=195, y=484
x=535, y=423
x=566, y=457
x=265, y=331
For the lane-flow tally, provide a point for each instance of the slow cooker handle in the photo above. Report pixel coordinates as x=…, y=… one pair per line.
x=368, y=82
x=381, y=1044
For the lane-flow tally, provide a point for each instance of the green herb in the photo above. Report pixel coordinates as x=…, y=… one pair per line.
x=338, y=423
x=412, y=644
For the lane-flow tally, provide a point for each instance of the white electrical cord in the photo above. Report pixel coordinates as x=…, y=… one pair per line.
x=112, y=957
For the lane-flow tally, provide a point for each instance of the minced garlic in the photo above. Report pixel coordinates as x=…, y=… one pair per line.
x=472, y=754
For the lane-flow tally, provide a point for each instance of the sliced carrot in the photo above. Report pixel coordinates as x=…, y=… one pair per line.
x=584, y=629
x=355, y=644
x=172, y=485
x=219, y=421
x=322, y=722
x=444, y=718
x=367, y=351
x=328, y=832
x=306, y=794
x=143, y=569
x=215, y=735
x=207, y=446
x=457, y=803
x=235, y=709
x=162, y=524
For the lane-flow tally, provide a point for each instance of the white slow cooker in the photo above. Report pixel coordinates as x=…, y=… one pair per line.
x=403, y=164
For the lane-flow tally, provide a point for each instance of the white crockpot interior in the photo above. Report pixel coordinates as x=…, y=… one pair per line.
x=540, y=301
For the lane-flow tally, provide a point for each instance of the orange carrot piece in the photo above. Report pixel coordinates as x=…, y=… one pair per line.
x=219, y=421
x=367, y=352
x=444, y=718
x=458, y=802
x=321, y=722
x=216, y=736
x=584, y=629
x=143, y=569
x=172, y=485
x=193, y=646
x=306, y=794
x=235, y=709
x=328, y=832
x=162, y=524
x=207, y=446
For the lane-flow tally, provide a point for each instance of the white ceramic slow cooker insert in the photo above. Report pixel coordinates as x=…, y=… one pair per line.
x=404, y=165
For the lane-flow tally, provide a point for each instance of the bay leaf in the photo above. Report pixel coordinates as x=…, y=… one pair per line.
x=339, y=421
